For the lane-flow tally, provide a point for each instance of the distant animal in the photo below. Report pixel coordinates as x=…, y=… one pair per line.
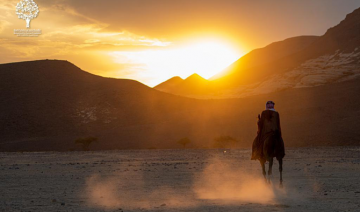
x=268, y=142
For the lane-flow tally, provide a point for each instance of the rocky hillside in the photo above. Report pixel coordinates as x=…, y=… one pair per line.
x=268, y=54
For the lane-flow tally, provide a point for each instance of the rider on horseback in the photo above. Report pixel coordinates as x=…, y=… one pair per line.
x=268, y=142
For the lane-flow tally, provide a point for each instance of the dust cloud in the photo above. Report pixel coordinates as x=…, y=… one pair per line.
x=220, y=182
x=102, y=192
x=224, y=181
x=121, y=192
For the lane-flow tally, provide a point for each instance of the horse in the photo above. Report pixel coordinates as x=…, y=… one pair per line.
x=268, y=145
x=269, y=173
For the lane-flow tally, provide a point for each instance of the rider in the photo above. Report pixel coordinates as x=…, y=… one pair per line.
x=269, y=133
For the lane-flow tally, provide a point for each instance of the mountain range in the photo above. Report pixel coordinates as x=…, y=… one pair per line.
x=304, y=61
x=48, y=104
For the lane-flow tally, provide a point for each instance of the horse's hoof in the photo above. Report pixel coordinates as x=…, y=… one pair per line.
x=281, y=185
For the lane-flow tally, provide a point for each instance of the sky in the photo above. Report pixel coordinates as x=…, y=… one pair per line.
x=154, y=40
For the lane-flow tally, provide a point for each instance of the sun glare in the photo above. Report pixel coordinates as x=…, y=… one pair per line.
x=206, y=58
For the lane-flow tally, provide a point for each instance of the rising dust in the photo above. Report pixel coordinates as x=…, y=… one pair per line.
x=221, y=181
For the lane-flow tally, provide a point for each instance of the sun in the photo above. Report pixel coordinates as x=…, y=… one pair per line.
x=205, y=57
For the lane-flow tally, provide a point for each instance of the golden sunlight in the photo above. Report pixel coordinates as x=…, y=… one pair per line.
x=206, y=58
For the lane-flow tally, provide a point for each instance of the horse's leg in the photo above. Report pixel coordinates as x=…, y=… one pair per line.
x=271, y=160
x=280, y=169
x=262, y=162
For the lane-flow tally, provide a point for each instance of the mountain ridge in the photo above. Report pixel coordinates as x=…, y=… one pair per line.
x=332, y=57
x=49, y=104
x=266, y=54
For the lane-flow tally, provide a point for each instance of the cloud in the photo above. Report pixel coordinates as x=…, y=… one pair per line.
x=3, y=25
x=69, y=35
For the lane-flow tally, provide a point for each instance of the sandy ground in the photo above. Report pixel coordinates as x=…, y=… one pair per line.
x=315, y=179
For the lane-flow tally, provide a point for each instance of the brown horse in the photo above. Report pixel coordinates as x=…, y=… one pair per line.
x=269, y=143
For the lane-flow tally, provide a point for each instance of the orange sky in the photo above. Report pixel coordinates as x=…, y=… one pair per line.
x=153, y=40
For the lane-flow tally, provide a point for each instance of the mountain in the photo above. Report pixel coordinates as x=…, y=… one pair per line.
x=169, y=84
x=194, y=84
x=56, y=102
x=293, y=63
x=194, y=78
x=333, y=57
x=48, y=104
x=267, y=54
x=256, y=57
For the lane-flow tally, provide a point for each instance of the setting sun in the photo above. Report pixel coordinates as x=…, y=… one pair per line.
x=205, y=57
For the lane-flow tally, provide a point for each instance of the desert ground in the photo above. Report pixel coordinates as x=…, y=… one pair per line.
x=315, y=179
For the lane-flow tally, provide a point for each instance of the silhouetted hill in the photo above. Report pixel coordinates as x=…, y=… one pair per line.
x=192, y=85
x=267, y=54
x=335, y=52
x=48, y=104
x=169, y=84
x=195, y=78
x=55, y=99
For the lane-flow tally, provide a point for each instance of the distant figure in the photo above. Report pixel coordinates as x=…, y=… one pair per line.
x=268, y=142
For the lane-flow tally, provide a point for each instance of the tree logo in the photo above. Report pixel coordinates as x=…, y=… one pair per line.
x=27, y=10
